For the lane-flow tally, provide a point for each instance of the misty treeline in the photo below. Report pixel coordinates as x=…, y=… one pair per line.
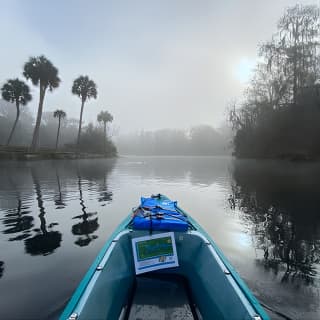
x=199, y=140
x=43, y=74
x=280, y=112
x=92, y=137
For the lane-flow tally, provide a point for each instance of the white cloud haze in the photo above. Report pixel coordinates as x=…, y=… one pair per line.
x=157, y=64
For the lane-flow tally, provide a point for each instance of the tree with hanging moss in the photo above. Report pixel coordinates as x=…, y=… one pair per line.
x=17, y=92
x=279, y=115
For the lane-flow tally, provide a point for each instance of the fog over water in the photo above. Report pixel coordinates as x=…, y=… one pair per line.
x=157, y=64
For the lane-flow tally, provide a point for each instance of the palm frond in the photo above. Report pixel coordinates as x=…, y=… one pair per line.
x=16, y=91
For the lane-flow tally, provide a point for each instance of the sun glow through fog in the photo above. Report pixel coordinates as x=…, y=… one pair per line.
x=243, y=70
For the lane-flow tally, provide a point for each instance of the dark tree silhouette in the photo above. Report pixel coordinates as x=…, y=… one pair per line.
x=85, y=89
x=44, y=242
x=279, y=115
x=271, y=204
x=15, y=91
x=18, y=222
x=105, y=195
x=105, y=117
x=60, y=114
x=59, y=198
x=87, y=227
x=43, y=73
x=1, y=268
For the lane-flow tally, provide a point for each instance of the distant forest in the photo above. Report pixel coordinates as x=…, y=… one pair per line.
x=279, y=116
x=199, y=140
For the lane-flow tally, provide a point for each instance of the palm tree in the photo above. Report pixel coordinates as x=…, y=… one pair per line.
x=15, y=91
x=105, y=117
x=85, y=89
x=60, y=114
x=43, y=73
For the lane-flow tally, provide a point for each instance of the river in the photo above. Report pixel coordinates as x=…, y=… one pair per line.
x=56, y=215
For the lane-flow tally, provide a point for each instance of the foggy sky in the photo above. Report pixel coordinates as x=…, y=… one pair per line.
x=157, y=64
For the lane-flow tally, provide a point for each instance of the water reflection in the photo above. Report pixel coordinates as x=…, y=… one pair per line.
x=198, y=170
x=48, y=181
x=17, y=221
x=86, y=227
x=282, y=216
x=1, y=268
x=59, y=198
x=44, y=242
x=278, y=204
x=105, y=196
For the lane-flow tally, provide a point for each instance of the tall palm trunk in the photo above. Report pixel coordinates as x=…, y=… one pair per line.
x=35, y=138
x=80, y=125
x=105, y=137
x=58, y=132
x=15, y=123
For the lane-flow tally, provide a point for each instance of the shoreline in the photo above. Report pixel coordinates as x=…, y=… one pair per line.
x=288, y=157
x=47, y=155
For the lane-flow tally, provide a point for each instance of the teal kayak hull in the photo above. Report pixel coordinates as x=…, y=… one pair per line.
x=215, y=290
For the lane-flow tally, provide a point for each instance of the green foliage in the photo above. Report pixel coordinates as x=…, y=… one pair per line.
x=59, y=114
x=104, y=116
x=23, y=130
x=84, y=88
x=16, y=91
x=41, y=71
x=93, y=141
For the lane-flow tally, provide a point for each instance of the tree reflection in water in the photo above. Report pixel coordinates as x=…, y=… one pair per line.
x=91, y=173
x=87, y=227
x=18, y=222
x=40, y=179
x=1, y=268
x=44, y=242
x=105, y=195
x=283, y=236
x=59, y=198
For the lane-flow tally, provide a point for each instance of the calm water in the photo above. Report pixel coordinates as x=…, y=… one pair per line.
x=56, y=215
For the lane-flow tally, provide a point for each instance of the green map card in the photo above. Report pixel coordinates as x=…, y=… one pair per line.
x=154, y=252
